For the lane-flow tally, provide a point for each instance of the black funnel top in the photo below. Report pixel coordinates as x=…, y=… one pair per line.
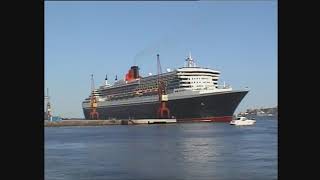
x=135, y=70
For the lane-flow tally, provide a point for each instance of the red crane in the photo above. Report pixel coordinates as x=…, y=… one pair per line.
x=163, y=110
x=93, y=102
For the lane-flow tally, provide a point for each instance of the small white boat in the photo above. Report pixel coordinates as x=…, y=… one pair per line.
x=242, y=121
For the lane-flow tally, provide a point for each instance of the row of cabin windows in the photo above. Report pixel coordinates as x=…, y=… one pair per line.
x=197, y=75
x=117, y=91
x=199, y=72
x=198, y=78
x=196, y=82
x=185, y=86
x=195, y=78
x=169, y=82
x=173, y=86
x=156, y=78
x=128, y=88
x=122, y=90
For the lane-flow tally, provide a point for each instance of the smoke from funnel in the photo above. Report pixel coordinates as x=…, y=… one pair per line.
x=163, y=45
x=170, y=40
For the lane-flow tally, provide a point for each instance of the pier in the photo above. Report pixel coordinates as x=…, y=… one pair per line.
x=106, y=122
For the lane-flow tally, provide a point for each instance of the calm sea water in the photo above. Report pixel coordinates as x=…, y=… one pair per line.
x=194, y=151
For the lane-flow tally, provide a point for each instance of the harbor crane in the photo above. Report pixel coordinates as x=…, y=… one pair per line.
x=163, y=110
x=48, y=106
x=93, y=101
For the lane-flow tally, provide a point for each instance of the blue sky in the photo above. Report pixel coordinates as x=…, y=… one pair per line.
x=239, y=38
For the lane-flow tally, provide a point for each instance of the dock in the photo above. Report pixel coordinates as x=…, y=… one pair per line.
x=106, y=122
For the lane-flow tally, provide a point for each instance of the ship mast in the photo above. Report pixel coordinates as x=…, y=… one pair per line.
x=190, y=61
x=163, y=110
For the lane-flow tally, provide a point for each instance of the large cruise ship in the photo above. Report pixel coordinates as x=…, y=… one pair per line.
x=192, y=94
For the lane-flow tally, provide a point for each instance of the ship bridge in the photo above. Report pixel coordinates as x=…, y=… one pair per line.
x=193, y=77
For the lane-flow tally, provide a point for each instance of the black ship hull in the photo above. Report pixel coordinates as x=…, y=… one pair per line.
x=218, y=107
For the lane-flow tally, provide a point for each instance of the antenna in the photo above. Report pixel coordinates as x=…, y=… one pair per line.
x=190, y=62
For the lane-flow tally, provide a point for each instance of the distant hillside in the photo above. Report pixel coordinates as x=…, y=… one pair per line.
x=261, y=112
